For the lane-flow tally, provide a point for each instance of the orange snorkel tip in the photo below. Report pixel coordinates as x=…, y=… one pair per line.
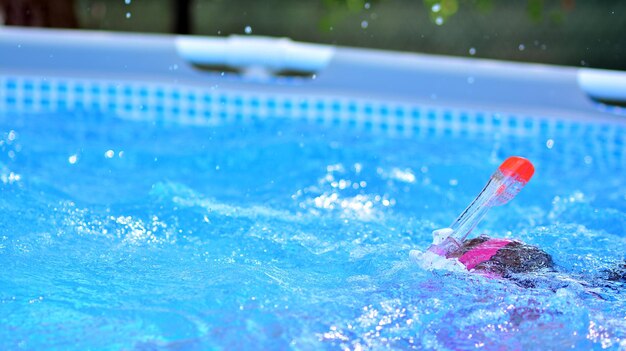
x=517, y=167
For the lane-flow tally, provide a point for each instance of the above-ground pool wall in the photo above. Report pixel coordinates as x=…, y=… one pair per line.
x=150, y=78
x=333, y=72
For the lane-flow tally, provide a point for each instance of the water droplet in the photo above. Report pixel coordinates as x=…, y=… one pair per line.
x=72, y=159
x=364, y=24
x=588, y=159
x=439, y=20
x=454, y=182
x=521, y=47
x=248, y=30
x=436, y=7
x=109, y=154
x=549, y=143
x=470, y=80
x=367, y=6
x=583, y=62
x=127, y=2
x=127, y=14
x=472, y=51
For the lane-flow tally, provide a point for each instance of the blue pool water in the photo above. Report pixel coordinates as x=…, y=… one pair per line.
x=289, y=234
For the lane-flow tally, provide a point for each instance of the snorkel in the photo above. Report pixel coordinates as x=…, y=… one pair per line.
x=504, y=184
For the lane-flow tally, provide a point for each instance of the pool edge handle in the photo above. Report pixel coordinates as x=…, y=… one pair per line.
x=246, y=53
x=603, y=85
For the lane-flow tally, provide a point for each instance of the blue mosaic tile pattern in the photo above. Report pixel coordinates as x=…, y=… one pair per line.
x=206, y=106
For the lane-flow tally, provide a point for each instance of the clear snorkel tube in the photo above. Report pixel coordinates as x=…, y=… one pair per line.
x=503, y=185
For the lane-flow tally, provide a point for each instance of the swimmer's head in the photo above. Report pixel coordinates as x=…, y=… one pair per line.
x=501, y=257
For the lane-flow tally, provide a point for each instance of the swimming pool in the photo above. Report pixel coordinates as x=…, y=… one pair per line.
x=150, y=205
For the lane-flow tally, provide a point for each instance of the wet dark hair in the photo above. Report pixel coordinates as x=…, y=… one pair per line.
x=514, y=258
x=618, y=274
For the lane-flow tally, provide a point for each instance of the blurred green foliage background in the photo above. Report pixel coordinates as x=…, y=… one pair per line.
x=566, y=32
